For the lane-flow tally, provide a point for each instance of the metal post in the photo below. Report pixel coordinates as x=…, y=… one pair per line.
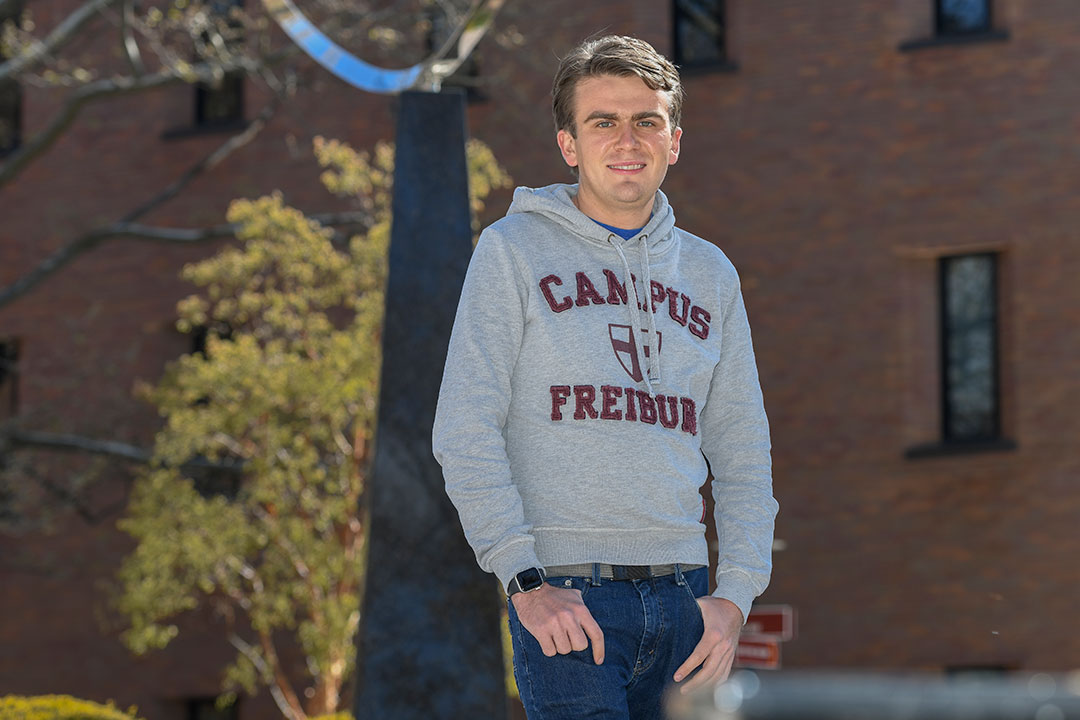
x=429, y=645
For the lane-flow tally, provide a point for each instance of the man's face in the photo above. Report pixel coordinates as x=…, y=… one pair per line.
x=623, y=147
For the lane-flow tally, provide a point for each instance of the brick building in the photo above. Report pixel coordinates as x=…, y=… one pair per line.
x=890, y=177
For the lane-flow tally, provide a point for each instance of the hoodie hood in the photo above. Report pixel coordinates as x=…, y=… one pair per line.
x=557, y=203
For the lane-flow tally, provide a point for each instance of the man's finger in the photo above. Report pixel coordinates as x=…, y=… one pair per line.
x=547, y=645
x=562, y=642
x=725, y=668
x=695, y=659
x=706, y=674
x=596, y=635
x=578, y=641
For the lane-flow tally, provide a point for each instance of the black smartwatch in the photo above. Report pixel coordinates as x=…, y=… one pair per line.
x=526, y=581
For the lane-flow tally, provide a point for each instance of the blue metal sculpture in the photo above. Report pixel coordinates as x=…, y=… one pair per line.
x=425, y=75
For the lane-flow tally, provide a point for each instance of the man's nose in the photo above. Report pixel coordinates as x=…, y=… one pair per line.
x=627, y=138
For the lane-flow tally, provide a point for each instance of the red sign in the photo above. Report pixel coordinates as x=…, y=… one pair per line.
x=758, y=651
x=776, y=621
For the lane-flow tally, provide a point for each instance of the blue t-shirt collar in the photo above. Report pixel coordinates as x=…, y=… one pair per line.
x=624, y=233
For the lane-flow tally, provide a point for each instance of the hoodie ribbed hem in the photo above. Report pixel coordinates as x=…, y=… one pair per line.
x=640, y=546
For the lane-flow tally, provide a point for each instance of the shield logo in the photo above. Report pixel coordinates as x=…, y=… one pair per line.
x=624, y=343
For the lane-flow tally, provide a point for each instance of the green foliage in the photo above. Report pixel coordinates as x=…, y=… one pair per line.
x=59, y=707
x=370, y=176
x=508, y=653
x=485, y=176
x=291, y=396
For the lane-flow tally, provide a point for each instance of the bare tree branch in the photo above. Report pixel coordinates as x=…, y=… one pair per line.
x=209, y=162
x=77, y=503
x=60, y=491
x=65, y=441
x=106, y=88
x=255, y=659
x=134, y=231
x=126, y=227
x=65, y=254
x=281, y=680
x=127, y=38
x=17, y=438
x=184, y=236
x=60, y=35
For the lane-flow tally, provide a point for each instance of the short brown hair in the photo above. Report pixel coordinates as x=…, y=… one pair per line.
x=617, y=55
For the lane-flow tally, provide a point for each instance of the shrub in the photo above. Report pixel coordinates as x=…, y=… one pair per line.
x=59, y=707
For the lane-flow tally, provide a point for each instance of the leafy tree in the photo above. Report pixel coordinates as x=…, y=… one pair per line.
x=285, y=398
x=67, y=56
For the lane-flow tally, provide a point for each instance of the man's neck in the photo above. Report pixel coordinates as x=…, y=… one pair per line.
x=631, y=217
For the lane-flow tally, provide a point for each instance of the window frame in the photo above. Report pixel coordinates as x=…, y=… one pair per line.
x=940, y=17
x=194, y=707
x=723, y=62
x=16, y=107
x=948, y=437
x=940, y=38
x=9, y=377
x=232, y=83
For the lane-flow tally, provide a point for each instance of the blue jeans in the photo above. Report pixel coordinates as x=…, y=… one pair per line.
x=650, y=627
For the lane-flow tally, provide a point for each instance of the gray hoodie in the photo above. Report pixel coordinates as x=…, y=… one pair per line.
x=574, y=423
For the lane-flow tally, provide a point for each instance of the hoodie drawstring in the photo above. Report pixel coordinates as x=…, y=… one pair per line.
x=645, y=362
x=653, y=343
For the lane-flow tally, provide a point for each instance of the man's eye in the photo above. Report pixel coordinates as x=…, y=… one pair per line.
x=604, y=123
x=647, y=123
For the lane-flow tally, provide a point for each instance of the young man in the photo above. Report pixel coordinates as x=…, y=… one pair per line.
x=600, y=355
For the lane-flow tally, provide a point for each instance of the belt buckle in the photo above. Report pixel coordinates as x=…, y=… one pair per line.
x=631, y=572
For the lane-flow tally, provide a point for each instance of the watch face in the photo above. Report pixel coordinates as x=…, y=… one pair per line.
x=529, y=579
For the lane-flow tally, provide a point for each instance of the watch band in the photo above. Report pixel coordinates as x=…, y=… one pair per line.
x=526, y=581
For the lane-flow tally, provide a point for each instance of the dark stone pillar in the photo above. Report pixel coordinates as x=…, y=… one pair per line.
x=429, y=645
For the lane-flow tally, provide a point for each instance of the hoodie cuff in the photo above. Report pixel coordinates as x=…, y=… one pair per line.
x=508, y=563
x=735, y=587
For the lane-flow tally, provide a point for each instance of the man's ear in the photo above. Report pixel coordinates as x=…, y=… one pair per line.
x=568, y=147
x=676, y=141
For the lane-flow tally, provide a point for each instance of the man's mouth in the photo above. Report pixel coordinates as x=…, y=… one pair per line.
x=627, y=167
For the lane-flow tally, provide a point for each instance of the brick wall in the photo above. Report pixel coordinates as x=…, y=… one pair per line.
x=834, y=169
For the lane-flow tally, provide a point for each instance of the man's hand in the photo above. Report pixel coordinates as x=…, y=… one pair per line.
x=716, y=649
x=559, y=620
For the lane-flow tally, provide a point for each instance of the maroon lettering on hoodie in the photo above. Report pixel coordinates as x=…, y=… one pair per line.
x=545, y=288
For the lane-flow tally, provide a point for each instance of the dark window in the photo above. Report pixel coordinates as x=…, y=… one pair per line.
x=9, y=405
x=10, y=90
x=963, y=17
x=222, y=103
x=211, y=482
x=969, y=323
x=207, y=709
x=200, y=334
x=700, y=33
x=9, y=379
